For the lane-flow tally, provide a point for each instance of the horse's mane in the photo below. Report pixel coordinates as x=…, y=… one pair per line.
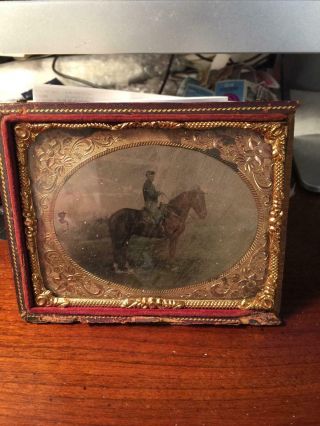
x=181, y=195
x=176, y=203
x=177, y=198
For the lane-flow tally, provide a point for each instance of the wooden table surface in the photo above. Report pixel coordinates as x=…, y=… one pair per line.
x=171, y=375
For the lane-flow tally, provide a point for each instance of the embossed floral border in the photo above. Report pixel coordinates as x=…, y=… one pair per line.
x=274, y=134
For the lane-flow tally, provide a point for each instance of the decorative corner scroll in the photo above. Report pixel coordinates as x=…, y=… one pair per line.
x=46, y=298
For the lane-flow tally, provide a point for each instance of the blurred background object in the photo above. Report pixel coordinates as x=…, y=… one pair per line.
x=176, y=75
x=300, y=80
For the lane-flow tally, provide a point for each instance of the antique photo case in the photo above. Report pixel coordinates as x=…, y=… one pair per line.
x=147, y=212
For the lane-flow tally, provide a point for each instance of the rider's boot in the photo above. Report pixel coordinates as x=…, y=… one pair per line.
x=162, y=231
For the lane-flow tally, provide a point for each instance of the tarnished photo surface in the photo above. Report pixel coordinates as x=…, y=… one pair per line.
x=155, y=217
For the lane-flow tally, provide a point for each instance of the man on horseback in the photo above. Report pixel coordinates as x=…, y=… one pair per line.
x=126, y=222
x=150, y=196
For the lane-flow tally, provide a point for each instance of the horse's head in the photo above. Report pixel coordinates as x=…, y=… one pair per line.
x=198, y=202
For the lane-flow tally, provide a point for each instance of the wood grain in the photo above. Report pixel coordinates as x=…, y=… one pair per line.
x=166, y=375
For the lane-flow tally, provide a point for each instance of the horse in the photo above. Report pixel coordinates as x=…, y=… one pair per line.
x=126, y=222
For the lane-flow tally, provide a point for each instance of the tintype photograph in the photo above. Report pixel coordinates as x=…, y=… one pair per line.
x=155, y=217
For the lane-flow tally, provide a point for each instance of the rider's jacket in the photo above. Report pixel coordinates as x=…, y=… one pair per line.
x=149, y=192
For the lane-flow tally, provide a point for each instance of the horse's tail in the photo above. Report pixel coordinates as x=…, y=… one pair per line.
x=116, y=229
x=111, y=226
x=120, y=228
x=117, y=240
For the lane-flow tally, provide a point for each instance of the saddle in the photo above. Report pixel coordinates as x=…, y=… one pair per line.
x=148, y=218
x=165, y=209
x=154, y=228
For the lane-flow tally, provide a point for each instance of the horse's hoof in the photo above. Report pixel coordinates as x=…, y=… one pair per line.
x=118, y=270
x=126, y=271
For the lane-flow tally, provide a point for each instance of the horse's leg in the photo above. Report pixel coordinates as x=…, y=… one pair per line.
x=173, y=241
x=124, y=251
x=122, y=256
x=173, y=247
x=119, y=249
x=116, y=256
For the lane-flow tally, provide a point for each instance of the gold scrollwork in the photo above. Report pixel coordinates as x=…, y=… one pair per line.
x=152, y=303
x=46, y=298
x=276, y=136
x=264, y=171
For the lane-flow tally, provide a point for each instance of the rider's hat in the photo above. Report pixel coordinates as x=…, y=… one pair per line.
x=150, y=173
